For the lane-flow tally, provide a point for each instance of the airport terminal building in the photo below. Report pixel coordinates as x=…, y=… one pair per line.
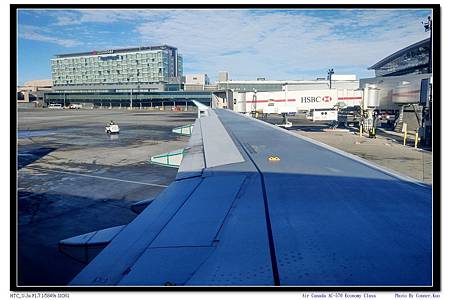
x=414, y=59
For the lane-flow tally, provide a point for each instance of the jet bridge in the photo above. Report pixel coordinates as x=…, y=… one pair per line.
x=279, y=102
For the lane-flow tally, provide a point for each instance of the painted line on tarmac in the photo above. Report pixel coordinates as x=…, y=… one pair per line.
x=98, y=177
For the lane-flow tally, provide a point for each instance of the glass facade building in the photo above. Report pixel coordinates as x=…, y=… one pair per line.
x=141, y=77
x=413, y=59
x=156, y=64
x=128, y=99
x=250, y=86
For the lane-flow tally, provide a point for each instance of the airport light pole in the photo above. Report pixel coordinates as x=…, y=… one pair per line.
x=131, y=97
x=428, y=25
x=253, y=108
x=330, y=73
x=427, y=109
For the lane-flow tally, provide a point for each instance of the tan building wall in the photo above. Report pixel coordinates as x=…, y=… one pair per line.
x=33, y=87
x=193, y=87
x=39, y=84
x=196, y=79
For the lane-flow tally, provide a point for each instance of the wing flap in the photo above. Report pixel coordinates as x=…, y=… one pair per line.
x=112, y=263
x=200, y=218
x=166, y=266
x=241, y=256
x=212, y=240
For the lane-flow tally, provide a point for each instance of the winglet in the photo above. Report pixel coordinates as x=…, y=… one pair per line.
x=203, y=110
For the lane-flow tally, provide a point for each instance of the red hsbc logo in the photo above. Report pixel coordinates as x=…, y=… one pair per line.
x=312, y=99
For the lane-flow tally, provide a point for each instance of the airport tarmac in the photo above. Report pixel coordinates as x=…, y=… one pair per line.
x=386, y=149
x=73, y=178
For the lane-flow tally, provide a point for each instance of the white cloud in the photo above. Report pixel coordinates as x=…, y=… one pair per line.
x=105, y=16
x=277, y=43
x=29, y=32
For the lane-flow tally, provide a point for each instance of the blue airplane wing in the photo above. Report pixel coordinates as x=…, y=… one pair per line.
x=255, y=205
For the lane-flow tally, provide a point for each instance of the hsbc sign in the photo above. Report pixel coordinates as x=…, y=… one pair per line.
x=314, y=99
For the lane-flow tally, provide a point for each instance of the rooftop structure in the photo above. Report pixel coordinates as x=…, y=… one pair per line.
x=195, y=81
x=349, y=82
x=223, y=76
x=39, y=83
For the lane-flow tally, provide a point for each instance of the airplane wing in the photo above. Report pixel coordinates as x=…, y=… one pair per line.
x=255, y=205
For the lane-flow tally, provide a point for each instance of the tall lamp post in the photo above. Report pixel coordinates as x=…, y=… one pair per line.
x=330, y=73
x=285, y=92
x=427, y=109
x=428, y=25
x=131, y=98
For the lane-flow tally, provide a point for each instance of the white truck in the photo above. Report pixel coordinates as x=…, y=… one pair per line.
x=55, y=106
x=322, y=115
x=75, y=106
x=112, y=128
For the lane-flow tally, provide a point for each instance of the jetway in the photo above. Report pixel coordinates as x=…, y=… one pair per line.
x=318, y=104
x=397, y=90
x=406, y=98
x=295, y=101
x=385, y=100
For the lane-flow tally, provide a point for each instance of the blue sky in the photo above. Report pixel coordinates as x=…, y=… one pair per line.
x=275, y=44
